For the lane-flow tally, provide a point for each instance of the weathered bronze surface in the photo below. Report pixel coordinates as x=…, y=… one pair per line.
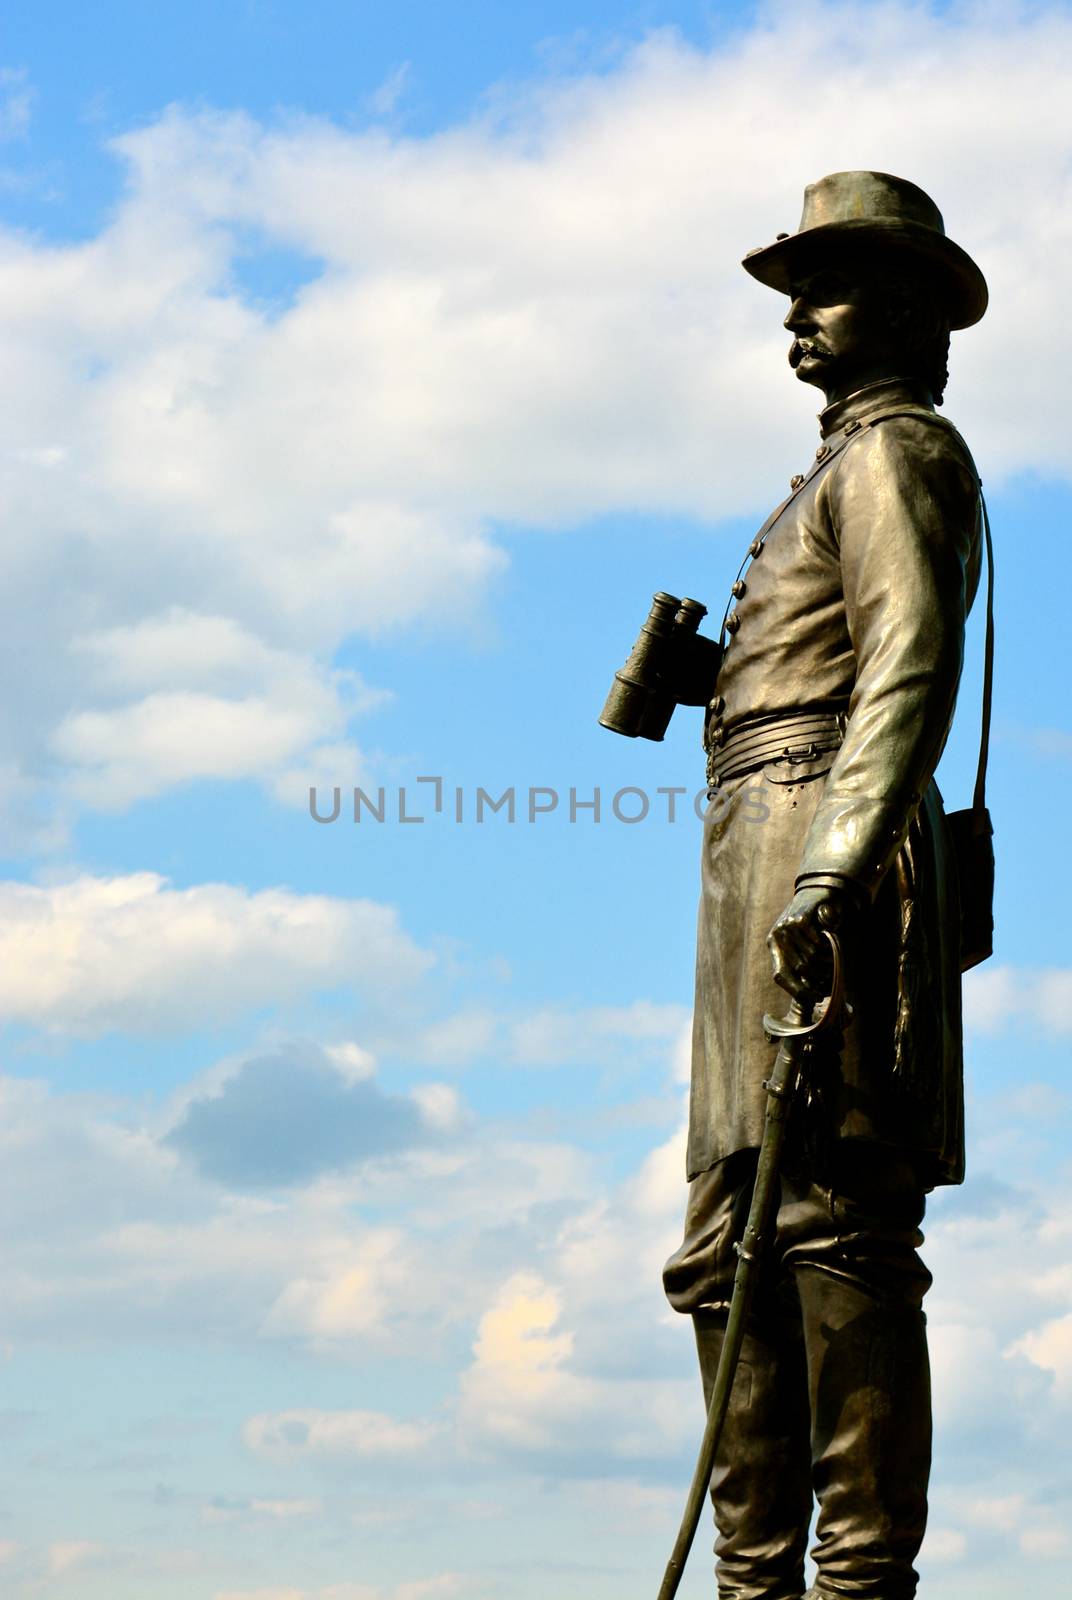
x=843, y=647
x=797, y=1032
x=671, y=664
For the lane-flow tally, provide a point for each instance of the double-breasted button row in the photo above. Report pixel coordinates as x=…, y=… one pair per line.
x=733, y=622
x=714, y=732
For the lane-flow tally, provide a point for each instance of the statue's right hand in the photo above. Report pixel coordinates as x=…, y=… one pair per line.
x=800, y=951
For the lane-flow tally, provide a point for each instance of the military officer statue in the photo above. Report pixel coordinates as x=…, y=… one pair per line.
x=835, y=697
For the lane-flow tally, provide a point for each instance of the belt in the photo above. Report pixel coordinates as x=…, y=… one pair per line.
x=792, y=736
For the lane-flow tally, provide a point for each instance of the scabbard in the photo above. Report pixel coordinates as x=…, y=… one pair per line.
x=781, y=1086
x=794, y=1032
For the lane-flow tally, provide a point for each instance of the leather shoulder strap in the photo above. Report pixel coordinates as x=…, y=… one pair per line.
x=979, y=797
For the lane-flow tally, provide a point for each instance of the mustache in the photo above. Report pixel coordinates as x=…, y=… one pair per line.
x=807, y=347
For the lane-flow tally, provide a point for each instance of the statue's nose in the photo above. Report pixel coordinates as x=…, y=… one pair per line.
x=798, y=317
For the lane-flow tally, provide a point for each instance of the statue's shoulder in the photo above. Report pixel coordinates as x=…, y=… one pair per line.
x=910, y=438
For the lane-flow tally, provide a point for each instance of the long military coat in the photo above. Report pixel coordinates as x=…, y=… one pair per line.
x=856, y=604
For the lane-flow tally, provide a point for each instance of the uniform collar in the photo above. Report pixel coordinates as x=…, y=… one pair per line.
x=865, y=403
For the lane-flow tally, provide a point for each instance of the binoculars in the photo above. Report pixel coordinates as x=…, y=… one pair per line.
x=671, y=664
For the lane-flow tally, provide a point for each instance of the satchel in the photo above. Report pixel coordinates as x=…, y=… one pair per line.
x=970, y=832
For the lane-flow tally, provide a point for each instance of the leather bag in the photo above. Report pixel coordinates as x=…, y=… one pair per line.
x=971, y=832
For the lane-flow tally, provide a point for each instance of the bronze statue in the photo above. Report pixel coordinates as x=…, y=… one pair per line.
x=844, y=643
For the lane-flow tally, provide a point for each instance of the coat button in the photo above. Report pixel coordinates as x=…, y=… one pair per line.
x=822, y=452
x=717, y=735
x=738, y=589
x=733, y=622
x=755, y=548
x=796, y=480
x=716, y=706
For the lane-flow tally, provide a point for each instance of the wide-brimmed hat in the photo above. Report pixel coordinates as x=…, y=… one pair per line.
x=875, y=208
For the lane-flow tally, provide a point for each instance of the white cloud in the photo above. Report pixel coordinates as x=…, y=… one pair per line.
x=442, y=1587
x=384, y=100
x=1044, y=1542
x=135, y=953
x=334, y=1434
x=996, y=998
x=351, y=1060
x=992, y=996
x=201, y=697
x=284, y=1510
x=107, y=1232
x=945, y=1545
x=17, y=97
x=71, y=1555
x=1050, y=1347
x=276, y=1593
x=270, y=1510
x=446, y=1585
x=551, y=1036
x=538, y=316
x=279, y=1594
x=351, y=1290
x=522, y=1394
x=549, y=1271
x=440, y=1105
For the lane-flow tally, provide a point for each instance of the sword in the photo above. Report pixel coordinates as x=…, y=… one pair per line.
x=794, y=1031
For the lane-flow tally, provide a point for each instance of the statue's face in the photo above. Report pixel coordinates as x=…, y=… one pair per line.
x=843, y=337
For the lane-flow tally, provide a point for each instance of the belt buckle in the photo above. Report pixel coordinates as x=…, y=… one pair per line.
x=800, y=753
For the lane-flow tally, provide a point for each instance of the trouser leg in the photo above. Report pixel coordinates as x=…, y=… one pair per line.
x=846, y=1254
x=860, y=1285
x=760, y=1486
x=869, y=1391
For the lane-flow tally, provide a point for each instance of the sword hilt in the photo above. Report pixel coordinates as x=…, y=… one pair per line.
x=794, y=1026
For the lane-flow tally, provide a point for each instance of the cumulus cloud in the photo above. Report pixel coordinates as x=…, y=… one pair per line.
x=109, y=1235
x=537, y=316
x=523, y=1395
x=1050, y=1348
x=547, y=1270
x=594, y=1033
x=223, y=1510
x=67, y=1556
x=996, y=998
x=549, y=1036
x=17, y=97
x=334, y=1433
x=187, y=696
x=287, y=1117
x=136, y=953
x=445, y=1586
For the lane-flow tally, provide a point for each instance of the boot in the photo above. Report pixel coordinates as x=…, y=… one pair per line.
x=760, y=1486
x=869, y=1389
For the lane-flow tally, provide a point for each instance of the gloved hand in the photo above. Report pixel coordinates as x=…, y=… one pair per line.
x=800, y=951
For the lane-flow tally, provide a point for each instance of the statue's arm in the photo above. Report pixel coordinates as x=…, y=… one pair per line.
x=904, y=506
x=903, y=503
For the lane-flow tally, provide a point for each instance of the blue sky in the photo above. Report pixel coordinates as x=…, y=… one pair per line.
x=366, y=371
